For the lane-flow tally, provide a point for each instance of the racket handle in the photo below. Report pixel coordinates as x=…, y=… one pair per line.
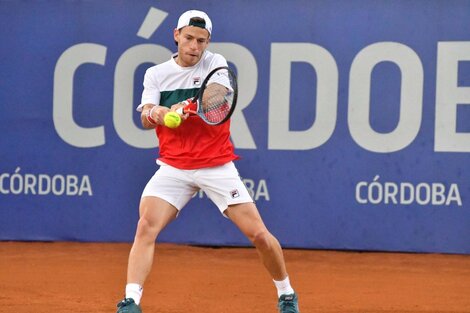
x=190, y=106
x=181, y=110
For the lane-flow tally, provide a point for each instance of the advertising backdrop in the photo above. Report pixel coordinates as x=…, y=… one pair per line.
x=353, y=121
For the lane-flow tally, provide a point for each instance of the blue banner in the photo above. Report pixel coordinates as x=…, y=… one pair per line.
x=353, y=120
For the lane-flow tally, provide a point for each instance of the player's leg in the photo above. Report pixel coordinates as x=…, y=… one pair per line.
x=165, y=194
x=155, y=214
x=225, y=188
x=249, y=221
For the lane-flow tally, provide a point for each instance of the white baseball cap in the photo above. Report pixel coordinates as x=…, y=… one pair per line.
x=185, y=20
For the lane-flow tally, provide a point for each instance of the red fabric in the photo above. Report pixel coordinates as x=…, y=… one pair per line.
x=195, y=144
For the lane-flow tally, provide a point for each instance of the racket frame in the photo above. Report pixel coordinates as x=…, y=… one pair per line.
x=194, y=102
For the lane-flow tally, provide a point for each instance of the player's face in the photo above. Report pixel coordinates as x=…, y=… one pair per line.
x=192, y=41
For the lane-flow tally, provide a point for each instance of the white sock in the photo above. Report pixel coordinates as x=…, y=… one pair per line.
x=134, y=291
x=283, y=287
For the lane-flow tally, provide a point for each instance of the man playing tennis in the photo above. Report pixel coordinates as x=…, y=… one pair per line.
x=193, y=156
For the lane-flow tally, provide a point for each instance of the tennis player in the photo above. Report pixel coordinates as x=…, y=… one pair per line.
x=193, y=156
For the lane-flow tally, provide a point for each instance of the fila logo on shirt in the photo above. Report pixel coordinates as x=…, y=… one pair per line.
x=196, y=81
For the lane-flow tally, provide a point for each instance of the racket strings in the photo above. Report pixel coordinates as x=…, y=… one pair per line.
x=217, y=102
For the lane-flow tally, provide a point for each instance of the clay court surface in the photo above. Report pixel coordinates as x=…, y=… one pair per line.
x=90, y=277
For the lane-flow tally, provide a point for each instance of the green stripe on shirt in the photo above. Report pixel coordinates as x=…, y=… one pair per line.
x=168, y=98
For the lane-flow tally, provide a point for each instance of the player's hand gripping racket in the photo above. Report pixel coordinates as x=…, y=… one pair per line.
x=216, y=100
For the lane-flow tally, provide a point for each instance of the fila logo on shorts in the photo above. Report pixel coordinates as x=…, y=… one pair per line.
x=234, y=193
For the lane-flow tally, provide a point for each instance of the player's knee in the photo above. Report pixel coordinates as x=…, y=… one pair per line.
x=146, y=230
x=262, y=240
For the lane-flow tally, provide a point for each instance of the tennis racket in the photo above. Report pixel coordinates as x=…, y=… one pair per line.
x=216, y=99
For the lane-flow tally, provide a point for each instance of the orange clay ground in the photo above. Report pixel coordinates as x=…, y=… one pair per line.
x=90, y=277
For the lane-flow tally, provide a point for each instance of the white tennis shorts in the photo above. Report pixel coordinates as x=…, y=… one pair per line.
x=222, y=184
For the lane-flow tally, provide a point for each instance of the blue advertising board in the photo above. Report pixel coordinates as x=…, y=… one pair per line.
x=353, y=120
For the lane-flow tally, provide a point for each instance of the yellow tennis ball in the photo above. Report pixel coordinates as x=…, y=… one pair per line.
x=172, y=120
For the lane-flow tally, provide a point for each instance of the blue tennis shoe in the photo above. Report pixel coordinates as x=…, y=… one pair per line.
x=288, y=304
x=128, y=306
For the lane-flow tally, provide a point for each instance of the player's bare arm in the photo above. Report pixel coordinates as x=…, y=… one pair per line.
x=214, y=93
